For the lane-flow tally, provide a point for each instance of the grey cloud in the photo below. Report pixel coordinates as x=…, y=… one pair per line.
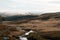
x=56, y=2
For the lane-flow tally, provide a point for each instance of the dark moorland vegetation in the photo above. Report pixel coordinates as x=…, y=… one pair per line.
x=45, y=26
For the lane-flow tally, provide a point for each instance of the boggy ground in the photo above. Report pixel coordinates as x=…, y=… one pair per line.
x=45, y=27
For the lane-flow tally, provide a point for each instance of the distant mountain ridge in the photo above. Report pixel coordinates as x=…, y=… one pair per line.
x=13, y=14
x=16, y=18
x=45, y=16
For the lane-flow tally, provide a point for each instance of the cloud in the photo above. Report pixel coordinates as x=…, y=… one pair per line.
x=55, y=1
x=29, y=5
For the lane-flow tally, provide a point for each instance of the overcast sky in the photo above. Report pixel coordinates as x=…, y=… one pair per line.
x=29, y=5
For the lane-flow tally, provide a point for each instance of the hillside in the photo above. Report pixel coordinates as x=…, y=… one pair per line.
x=45, y=26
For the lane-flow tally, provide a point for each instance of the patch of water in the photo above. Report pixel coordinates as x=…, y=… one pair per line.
x=23, y=38
x=29, y=32
x=5, y=38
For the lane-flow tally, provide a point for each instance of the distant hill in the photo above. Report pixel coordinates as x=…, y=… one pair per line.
x=16, y=18
x=44, y=16
x=47, y=16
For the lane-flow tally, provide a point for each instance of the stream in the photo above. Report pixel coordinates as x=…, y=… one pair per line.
x=25, y=38
x=20, y=37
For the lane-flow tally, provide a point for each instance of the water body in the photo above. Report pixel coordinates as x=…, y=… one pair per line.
x=20, y=37
x=25, y=38
x=29, y=32
x=5, y=38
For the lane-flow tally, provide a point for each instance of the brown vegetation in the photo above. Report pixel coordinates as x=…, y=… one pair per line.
x=46, y=27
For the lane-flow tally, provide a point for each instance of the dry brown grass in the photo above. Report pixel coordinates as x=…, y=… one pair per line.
x=46, y=25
